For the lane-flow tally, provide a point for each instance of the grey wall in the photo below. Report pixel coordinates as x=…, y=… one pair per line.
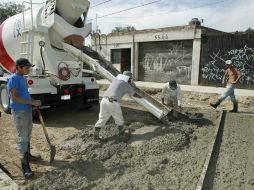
x=217, y=49
x=165, y=60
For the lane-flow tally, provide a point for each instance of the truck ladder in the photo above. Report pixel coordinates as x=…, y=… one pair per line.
x=26, y=49
x=27, y=41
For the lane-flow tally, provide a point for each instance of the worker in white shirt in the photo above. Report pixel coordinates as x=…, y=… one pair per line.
x=172, y=94
x=110, y=104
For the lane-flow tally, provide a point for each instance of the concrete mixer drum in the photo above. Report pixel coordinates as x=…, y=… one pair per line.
x=56, y=77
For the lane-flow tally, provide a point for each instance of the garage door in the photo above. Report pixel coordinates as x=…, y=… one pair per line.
x=166, y=60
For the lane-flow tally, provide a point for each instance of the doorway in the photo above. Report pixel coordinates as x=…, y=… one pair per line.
x=121, y=59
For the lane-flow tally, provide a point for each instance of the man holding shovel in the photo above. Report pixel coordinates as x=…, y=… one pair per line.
x=21, y=107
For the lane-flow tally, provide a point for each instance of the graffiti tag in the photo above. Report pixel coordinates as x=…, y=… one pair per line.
x=242, y=58
x=174, y=58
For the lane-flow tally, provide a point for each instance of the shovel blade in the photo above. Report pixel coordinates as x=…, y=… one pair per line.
x=52, y=154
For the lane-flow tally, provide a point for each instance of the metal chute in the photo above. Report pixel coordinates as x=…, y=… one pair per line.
x=107, y=71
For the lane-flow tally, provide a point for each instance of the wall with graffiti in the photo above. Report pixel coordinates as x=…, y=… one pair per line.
x=165, y=60
x=216, y=49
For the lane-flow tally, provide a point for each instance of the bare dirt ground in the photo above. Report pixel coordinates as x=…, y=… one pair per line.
x=171, y=158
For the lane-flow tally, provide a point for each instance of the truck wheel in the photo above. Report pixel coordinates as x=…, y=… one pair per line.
x=4, y=99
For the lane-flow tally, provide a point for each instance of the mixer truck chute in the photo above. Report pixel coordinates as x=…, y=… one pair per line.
x=107, y=71
x=37, y=34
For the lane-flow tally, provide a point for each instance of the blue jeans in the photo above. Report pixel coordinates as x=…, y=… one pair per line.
x=24, y=122
x=230, y=91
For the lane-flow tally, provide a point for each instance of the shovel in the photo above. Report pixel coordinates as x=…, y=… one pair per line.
x=51, y=147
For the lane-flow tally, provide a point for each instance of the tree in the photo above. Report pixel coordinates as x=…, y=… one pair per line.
x=123, y=29
x=9, y=9
x=249, y=30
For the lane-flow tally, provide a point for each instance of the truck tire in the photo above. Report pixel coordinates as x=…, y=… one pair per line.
x=4, y=99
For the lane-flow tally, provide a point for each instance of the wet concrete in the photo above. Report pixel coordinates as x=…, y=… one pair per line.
x=235, y=155
x=155, y=157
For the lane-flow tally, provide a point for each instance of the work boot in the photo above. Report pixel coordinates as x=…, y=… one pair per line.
x=96, y=133
x=215, y=105
x=235, y=107
x=121, y=130
x=31, y=157
x=27, y=172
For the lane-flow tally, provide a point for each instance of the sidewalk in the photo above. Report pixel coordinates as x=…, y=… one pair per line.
x=6, y=183
x=187, y=88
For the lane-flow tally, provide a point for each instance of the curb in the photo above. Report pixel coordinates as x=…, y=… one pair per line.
x=6, y=183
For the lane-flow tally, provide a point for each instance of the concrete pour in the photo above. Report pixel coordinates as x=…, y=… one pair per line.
x=235, y=162
x=155, y=157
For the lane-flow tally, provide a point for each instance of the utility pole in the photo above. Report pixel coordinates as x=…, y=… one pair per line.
x=96, y=23
x=202, y=21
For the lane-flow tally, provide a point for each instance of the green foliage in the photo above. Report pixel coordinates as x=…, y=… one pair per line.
x=9, y=9
x=249, y=30
x=123, y=29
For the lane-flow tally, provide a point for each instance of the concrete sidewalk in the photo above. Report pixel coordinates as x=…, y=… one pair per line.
x=6, y=183
x=188, y=88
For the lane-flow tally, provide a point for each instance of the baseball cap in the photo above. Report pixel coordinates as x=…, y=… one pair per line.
x=22, y=62
x=228, y=62
x=127, y=73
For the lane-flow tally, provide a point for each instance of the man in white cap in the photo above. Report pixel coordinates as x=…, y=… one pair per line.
x=233, y=75
x=110, y=104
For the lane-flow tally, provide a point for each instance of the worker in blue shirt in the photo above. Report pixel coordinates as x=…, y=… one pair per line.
x=21, y=106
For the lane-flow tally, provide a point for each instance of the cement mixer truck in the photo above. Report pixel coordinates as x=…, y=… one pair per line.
x=52, y=38
x=37, y=34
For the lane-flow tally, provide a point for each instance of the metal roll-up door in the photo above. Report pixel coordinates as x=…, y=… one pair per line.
x=165, y=60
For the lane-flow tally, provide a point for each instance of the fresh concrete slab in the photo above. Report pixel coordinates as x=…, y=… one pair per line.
x=142, y=134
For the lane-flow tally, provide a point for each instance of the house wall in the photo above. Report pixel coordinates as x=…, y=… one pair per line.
x=174, y=39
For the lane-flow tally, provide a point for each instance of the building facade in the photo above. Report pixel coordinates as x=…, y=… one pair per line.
x=160, y=55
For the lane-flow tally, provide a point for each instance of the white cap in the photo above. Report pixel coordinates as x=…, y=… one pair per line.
x=228, y=62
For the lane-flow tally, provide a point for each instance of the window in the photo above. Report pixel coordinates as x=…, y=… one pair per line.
x=116, y=55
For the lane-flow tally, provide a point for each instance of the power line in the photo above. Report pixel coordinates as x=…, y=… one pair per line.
x=164, y=13
x=100, y=3
x=142, y=5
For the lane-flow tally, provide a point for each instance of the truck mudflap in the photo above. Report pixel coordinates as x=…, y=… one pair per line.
x=91, y=97
x=79, y=96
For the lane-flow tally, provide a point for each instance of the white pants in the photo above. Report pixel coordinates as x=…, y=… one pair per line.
x=108, y=109
x=172, y=101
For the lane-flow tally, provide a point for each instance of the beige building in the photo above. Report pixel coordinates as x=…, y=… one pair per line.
x=156, y=55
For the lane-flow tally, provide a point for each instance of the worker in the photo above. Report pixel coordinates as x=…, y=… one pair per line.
x=21, y=108
x=110, y=104
x=171, y=92
x=233, y=75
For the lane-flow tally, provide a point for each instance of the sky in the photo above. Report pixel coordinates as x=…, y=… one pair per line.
x=225, y=15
